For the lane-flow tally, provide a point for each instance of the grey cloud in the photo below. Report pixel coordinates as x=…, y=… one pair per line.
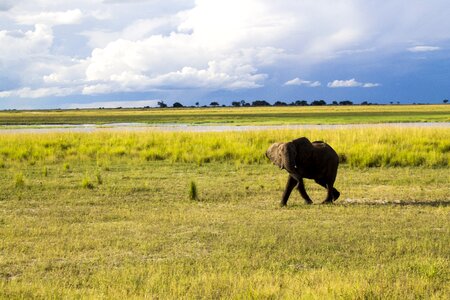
x=6, y=5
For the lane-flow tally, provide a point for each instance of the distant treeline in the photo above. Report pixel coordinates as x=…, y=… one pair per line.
x=260, y=103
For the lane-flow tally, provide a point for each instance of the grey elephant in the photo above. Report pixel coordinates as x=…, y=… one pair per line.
x=303, y=159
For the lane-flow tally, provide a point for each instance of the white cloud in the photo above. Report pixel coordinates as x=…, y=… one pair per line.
x=423, y=49
x=218, y=75
x=301, y=82
x=23, y=44
x=370, y=85
x=351, y=83
x=72, y=16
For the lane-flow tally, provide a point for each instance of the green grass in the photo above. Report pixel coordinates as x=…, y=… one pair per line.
x=236, y=116
x=139, y=235
x=136, y=233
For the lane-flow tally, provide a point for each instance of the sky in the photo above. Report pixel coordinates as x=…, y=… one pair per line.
x=110, y=53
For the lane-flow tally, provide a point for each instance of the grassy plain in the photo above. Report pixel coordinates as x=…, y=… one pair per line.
x=236, y=116
x=108, y=215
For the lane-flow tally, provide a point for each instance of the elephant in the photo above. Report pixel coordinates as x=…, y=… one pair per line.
x=303, y=159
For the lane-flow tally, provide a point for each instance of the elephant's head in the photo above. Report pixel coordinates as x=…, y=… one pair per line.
x=289, y=155
x=282, y=155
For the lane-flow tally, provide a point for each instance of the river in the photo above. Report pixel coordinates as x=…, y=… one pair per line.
x=201, y=128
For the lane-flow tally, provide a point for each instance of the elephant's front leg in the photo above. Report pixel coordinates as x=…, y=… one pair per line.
x=291, y=183
x=302, y=190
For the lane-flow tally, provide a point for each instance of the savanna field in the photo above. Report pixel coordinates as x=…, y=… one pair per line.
x=181, y=215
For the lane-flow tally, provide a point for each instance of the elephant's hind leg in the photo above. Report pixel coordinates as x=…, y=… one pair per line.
x=332, y=193
x=330, y=196
x=291, y=183
x=336, y=194
x=302, y=190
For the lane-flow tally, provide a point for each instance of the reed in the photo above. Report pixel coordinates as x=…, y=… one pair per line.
x=358, y=148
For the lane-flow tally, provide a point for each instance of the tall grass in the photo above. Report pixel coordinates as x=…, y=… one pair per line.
x=359, y=148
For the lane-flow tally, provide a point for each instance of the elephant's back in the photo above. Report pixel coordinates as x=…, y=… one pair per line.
x=326, y=152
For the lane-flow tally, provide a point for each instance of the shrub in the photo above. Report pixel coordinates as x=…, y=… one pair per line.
x=193, y=193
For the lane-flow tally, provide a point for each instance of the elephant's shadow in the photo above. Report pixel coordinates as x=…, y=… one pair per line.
x=439, y=203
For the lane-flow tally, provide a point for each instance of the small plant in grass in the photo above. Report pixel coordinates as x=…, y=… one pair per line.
x=19, y=180
x=193, y=192
x=66, y=167
x=98, y=177
x=87, y=183
x=45, y=171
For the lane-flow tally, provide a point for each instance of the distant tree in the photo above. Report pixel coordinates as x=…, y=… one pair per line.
x=214, y=104
x=301, y=103
x=280, y=103
x=365, y=103
x=346, y=102
x=243, y=103
x=236, y=103
x=197, y=104
x=177, y=104
x=260, y=103
x=161, y=104
x=445, y=101
x=334, y=103
x=318, y=102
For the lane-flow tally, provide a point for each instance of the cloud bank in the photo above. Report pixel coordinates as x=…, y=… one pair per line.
x=57, y=49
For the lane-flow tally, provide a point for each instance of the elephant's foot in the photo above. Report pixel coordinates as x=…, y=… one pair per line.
x=283, y=204
x=309, y=202
x=336, y=194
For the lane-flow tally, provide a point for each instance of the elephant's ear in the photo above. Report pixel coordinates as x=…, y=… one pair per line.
x=290, y=156
x=304, y=150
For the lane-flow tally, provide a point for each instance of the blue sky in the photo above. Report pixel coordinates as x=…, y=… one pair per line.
x=67, y=54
